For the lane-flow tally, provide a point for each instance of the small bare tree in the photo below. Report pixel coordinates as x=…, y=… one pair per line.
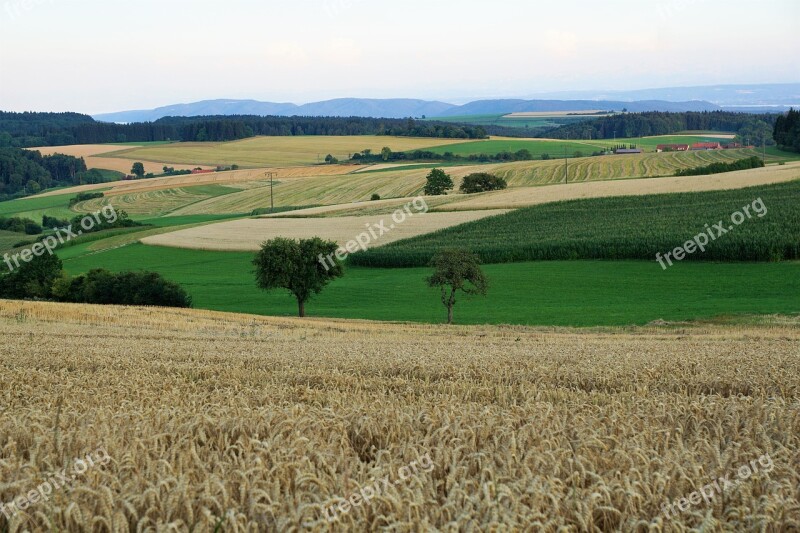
x=457, y=270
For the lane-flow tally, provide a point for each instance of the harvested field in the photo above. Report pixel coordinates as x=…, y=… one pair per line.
x=149, y=203
x=220, y=178
x=93, y=155
x=242, y=423
x=320, y=190
x=527, y=196
x=248, y=234
x=277, y=151
x=610, y=167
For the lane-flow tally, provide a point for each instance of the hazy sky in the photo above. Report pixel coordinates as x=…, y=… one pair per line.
x=105, y=55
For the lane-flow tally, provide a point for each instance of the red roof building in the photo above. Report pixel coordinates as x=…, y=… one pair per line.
x=706, y=146
x=672, y=148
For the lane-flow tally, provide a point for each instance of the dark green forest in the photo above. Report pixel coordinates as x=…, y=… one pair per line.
x=25, y=130
x=787, y=131
x=751, y=128
x=24, y=172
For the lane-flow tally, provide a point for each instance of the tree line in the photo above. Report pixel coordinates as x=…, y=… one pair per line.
x=787, y=131
x=719, y=167
x=24, y=172
x=44, y=278
x=754, y=129
x=27, y=130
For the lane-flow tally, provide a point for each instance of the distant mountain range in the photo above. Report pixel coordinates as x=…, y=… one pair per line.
x=749, y=98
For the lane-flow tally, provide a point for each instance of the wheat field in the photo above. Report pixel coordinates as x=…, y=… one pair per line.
x=375, y=230
x=94, y=155
x=277, y=151
x=237, y=423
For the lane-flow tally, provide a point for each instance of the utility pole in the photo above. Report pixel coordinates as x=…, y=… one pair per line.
x=765, y=151
x=566, y=166
x=271, y=176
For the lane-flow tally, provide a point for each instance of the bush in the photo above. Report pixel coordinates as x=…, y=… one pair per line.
x=482, y=182
x=84, y=196
x=20, y=225
x=53, y=222
x=375, y=197
x=33, y=279
x=719, y=168
x=125, y=288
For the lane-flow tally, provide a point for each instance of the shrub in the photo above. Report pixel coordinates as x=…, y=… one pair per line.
x=20, y=225
x=375, y=196
x=482, y=182
x=719, y=168
x=125, y=288
x=53, y=222
x=84, y=196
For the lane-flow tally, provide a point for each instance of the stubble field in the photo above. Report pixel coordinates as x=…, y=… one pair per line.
x=281, y=151
x=244, y=423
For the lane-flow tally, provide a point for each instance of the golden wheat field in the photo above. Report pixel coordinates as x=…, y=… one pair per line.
x=216, y=422
x=250, y=233
x=277, y=151
x=94, y=156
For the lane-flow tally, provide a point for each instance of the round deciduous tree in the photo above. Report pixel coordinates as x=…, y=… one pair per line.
x=438, y=183
x=302, y=267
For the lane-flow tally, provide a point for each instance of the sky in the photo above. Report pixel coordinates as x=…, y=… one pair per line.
x=96, y=56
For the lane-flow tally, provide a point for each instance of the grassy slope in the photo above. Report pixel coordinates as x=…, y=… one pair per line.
x=580, y=293
x=33, y=208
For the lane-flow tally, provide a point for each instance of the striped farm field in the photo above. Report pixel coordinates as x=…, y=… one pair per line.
x=622, y=228
x=276, y=151
x=397, y=183
x=527, y=196
x=157, y=202
x=218, y=178
x=248, y=234
x=609, y=167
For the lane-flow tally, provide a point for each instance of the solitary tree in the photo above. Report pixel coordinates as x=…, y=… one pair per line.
x=457, y=270
x=138, y=170
x=386, y=153
x=330, y=159
x=439, y=183
x=302, y=267
x=482, y=182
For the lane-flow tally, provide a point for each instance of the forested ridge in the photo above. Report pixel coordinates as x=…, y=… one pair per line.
x=26, y=130
x=751, y=128
x=24, y=172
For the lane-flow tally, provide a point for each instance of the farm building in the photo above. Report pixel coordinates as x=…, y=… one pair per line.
x=672, y=148
x=628, y=151
x=706, y=146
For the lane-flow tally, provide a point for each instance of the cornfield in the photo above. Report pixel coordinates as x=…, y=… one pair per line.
x=240, y=423
x=632, y=227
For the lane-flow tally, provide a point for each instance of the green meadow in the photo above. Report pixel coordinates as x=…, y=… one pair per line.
x=562, y=293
